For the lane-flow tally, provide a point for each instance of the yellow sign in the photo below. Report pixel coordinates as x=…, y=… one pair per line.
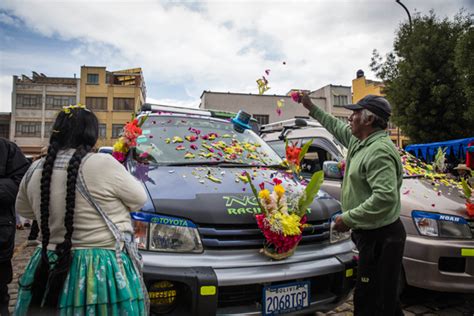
x=208, y=290
x=467, y=252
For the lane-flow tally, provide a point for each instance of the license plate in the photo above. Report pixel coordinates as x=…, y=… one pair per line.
x=285, y=298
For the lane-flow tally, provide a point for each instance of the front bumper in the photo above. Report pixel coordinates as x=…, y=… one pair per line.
x=240, y=275
x=438, y=264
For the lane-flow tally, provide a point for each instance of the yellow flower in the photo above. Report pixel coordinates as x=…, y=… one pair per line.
x=229, y=150
x=177, y=139
x=264, y=194
x=279, y=190
x=120, y=146
x=290, y=224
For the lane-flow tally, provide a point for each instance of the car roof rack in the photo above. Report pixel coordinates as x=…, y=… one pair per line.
x=279, y=126
x=155, y=108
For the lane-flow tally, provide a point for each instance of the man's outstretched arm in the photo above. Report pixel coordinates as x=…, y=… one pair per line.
x=336, y=127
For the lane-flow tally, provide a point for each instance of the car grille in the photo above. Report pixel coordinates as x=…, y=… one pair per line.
x=471, y=225
x=249, y=236
x=251, y=294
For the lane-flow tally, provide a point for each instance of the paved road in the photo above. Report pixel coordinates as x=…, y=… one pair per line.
x=416, y=302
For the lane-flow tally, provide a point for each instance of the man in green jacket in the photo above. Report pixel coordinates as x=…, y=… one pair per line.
x=370, y=201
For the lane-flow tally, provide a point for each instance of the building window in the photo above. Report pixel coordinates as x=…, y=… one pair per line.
x=262, y=118
x=124, y=104
x=116, y=130
x=4, y=130
x=102, y=131
x=58, y=101
x=48, y=127
x=93, y=78
x=29, y=101
x=96, y=103
x=340, y=100
x=28, y=129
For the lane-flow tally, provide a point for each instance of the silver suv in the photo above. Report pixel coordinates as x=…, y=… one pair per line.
x=439, y=250
x=198, y=234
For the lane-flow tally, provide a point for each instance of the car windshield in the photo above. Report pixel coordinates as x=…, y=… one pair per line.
x=181, y=140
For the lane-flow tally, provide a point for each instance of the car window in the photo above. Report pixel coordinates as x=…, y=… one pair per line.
x=319, y=152
x=172, y=139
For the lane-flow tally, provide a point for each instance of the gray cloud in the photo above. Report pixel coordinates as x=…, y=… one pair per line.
x=222, y=45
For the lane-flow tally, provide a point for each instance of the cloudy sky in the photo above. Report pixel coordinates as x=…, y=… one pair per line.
x=185, y=47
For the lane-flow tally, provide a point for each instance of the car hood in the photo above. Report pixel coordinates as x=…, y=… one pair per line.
x=421, y=194
x=216, y=195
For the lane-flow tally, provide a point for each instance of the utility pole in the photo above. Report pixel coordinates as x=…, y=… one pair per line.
x=408, y=12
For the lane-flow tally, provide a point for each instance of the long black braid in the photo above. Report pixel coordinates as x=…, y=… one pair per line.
x=42, y=272
x=63, y=250
x=77, y=129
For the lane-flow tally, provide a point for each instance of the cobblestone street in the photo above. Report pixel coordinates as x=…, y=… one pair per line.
x=416, y=302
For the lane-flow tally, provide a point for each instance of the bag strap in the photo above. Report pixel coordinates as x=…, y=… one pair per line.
x=116, y=232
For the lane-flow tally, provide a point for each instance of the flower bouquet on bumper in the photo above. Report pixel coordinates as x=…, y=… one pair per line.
x=283, y=215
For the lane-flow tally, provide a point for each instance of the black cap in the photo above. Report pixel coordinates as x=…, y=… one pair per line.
x=375, y=104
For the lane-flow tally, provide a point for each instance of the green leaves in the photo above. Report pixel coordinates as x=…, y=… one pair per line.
x=429, y=77
x=310, y=192
x=466, y=189
x=304, y=150
x=254, y=190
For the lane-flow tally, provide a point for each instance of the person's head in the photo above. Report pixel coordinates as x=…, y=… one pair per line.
x=463, y=170
x=75, y=128
x=370, y=114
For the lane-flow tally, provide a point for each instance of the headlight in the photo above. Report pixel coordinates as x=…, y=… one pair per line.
x=164, y=233
x=441, y=225
x=335, y=236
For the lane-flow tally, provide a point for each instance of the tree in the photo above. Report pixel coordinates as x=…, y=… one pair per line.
x=427, y=92
x=464, y=61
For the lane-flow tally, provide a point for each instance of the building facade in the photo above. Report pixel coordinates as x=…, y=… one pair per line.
x=362, y=87
x=113, y=96
x=336, y=97
x=35, y=104
x=5, y=119
x=264, y=108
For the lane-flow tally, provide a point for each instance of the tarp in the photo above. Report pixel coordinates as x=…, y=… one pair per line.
x=427, y=152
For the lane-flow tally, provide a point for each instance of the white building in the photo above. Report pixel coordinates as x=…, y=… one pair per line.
x=35, y=104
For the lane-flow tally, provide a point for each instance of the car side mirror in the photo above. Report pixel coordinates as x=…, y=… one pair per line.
x=331, y=170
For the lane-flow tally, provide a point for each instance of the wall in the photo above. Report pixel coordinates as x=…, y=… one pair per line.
x=256, y=104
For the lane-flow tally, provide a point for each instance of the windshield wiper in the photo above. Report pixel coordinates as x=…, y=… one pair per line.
x=231, y=164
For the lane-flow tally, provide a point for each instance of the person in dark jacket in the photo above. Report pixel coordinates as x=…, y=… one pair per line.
x=13, y=166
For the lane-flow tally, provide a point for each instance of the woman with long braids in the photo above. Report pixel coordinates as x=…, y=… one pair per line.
x=81, y=201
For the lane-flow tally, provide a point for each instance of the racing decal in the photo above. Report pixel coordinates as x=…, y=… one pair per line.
x=239, y=205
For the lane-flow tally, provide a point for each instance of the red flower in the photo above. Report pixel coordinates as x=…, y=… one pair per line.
x=293, y=153
x=262, y=186
x=278, y=241
x=296, y=96
x=276, y=181
x=470, y=209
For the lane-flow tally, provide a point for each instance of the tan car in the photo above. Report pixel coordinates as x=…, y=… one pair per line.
x=439, y=250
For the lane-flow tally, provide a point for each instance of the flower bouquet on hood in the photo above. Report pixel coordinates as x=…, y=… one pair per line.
x=128, y=138
x=283, y=215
